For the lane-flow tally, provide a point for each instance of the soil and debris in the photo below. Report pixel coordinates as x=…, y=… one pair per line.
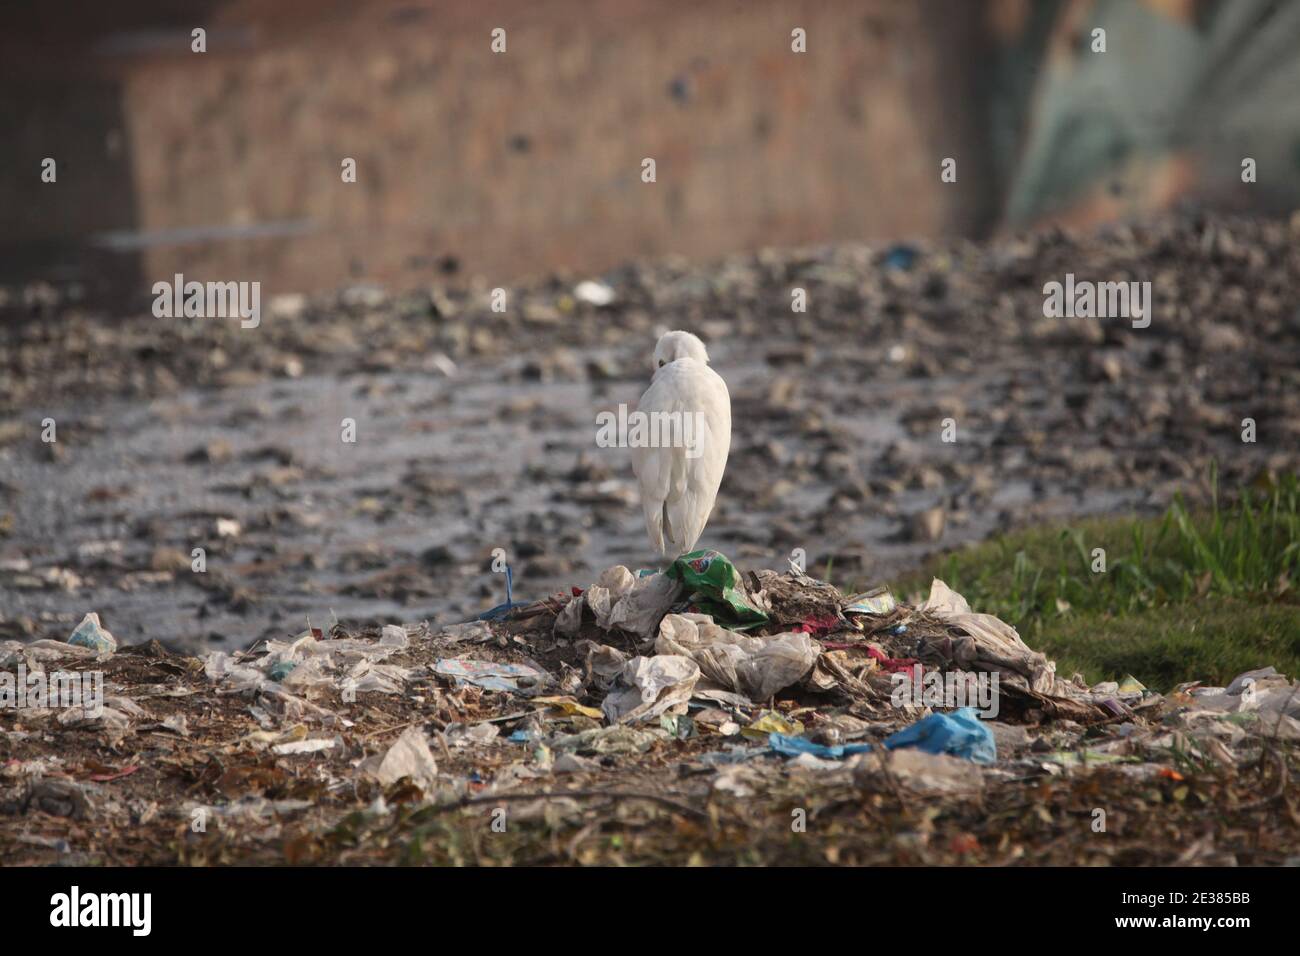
x=702, y=714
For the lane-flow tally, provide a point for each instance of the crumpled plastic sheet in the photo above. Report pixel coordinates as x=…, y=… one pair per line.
x=1263, y=690
x=365, y=677
x=220, y=666
x=717, y=589
x=237, y=677
x=409, y=757
x=608, y=740
x=491, y=675
x=342, y=652
x=36, y=652
x=651, y=687
x=959, y=734
x=471, y=632
x=991, y=644
x=115, y=714
x=90, y=633
x=306, y=663
x=757, y=667
x=789, y=746
x=619, y=599
x=605, y=663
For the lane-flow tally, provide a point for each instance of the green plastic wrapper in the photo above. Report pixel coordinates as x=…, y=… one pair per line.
x=717, y=589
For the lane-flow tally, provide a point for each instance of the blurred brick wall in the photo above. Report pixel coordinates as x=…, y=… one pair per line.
x=509, y=164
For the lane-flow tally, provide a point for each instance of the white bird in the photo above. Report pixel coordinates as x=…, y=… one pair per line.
x=679, y=480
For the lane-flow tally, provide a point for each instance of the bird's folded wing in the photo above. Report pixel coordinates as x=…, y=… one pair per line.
x=684, y=485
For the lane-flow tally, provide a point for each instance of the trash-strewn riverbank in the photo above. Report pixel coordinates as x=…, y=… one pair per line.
x=475, y=429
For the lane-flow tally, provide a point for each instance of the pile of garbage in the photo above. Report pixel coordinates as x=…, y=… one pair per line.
x=697, y=684
x=698, y=632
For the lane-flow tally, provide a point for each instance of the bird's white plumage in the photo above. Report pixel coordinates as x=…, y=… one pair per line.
x=677, y=489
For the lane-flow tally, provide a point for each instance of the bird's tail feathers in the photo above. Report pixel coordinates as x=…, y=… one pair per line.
x=655, y=513
x=688, y=521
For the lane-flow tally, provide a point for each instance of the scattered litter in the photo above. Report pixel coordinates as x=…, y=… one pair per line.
x=293, y=548
x=506, y=678
x=960, y=734
x=984, y=643
x=393, y=636
x=608, y=740
x=89, y=633
x=280, y=670
x=770, y=722
x=716, y=589
x=1130, y=685
x=593, y=292
x=1255, y=677
x=718, y=721
x=304, y=746
x=900, y=256
x=651, y=686
x=876, y=602
x=603, y=663
x=621, y=600
x=794, y=746
x=409, y=757
x=42, y=651
x=569, y=706
x=757, y=667
x=472, y=632
x=679, y=726
x=501, y=610
x=693, y=706
x=473, y=735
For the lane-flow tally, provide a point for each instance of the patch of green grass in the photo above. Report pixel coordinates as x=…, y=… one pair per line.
x=1198, y=595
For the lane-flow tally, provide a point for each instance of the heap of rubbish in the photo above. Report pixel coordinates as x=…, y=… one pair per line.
x=699, y=703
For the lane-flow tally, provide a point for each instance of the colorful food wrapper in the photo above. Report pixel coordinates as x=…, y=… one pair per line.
x=717, y=589
x=876, y=601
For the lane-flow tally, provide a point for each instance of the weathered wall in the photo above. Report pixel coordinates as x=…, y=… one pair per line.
x=529, y=161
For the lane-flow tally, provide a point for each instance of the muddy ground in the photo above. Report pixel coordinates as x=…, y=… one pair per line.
x=476, y=429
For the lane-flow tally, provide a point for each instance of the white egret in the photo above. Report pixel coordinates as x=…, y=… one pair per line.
x=679, y=478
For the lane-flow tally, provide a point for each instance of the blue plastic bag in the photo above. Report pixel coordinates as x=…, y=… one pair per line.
x=794, y=746
x=959, y=734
